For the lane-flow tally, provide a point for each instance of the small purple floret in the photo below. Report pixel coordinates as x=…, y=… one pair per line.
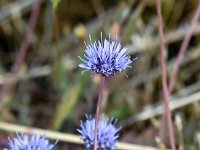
x=34, y=142
x=106, y=58
x=107, y=135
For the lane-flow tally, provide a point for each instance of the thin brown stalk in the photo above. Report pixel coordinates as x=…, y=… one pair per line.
x=23, y=49
x=164, y=76
x=183, y=48
x=98, y=112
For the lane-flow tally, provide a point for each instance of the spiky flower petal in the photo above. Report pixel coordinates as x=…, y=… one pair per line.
x=34, y=142
x=107, y=133
x=106, y=58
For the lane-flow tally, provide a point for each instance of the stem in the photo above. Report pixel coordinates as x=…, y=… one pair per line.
x=164, y=77
x=183, y=48
x=23, y=49
x=98, y=112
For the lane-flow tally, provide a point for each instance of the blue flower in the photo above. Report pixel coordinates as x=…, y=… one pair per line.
x=106, y=58
x=34, y=142
x=107, y=134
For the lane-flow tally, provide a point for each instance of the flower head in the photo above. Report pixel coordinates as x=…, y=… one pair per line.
x=107, y=133
x=106, y=58
x=34, y=142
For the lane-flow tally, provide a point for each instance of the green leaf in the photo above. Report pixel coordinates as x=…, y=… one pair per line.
x=55, y=3
x=68, y=101
x=120, y=112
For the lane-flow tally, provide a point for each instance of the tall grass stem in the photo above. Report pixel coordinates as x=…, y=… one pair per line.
x=164, y=77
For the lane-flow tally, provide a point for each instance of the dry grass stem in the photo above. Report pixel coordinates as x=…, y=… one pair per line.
x=64, y=137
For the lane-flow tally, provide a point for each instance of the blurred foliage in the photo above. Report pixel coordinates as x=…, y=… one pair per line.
x=49, y=90
x=69, y=101
x=55, y=3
